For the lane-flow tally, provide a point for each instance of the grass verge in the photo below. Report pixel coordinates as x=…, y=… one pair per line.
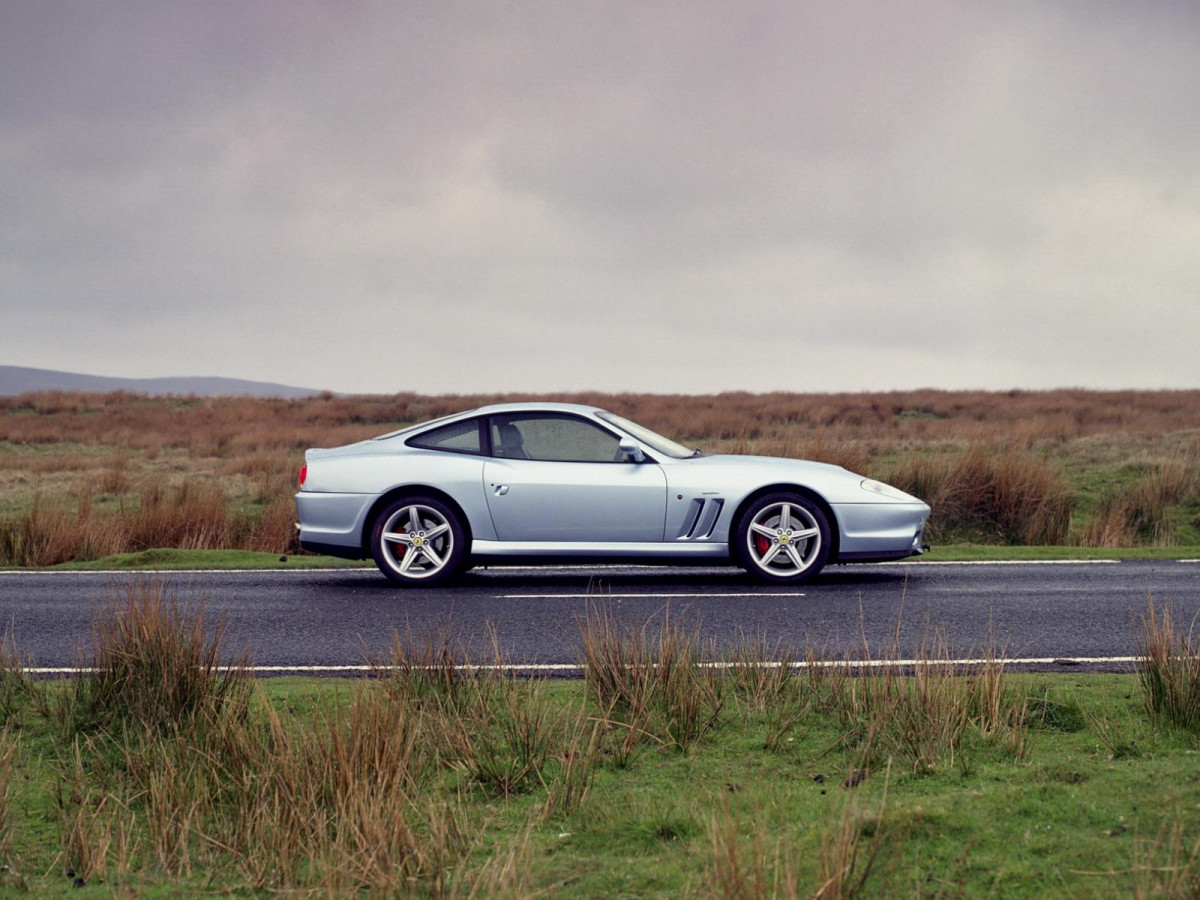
x=655, y=776
x=171, y=558
x=1001, y=553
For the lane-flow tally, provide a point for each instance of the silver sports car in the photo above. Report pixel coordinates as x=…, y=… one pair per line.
x=557, y=482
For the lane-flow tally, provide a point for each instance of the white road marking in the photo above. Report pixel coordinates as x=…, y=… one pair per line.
x=575, y=667
x=1004, y=562
x=604, y=595
x=368, y=570
x=346, y=570
x=578, y=566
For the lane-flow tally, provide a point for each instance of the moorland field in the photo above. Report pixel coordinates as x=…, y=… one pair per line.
x=83, y=476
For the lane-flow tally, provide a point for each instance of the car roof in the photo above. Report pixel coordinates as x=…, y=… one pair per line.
x=526, y=406
x=533, y=406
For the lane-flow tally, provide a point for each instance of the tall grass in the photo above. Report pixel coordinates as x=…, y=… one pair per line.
x=1169, y=669
x=51, y=532
x=154, y=664
x=1010, y=497
x=190, y=517
x=922, y=712
x=9, y=744
x=662, y=687
x=213, y=777
x=1139, y=513
x=482, y=721
x=848, y=847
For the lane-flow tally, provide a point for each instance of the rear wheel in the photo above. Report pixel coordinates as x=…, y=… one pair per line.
x=418, y=540
x=783, y=538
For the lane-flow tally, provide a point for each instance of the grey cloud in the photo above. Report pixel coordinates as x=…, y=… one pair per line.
x=531, y=196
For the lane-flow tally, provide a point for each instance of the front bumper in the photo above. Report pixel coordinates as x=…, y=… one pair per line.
x=881, y=531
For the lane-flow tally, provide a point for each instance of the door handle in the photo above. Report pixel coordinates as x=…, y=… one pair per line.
x=501, y=489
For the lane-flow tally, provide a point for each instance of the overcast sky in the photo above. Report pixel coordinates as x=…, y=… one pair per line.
x=663, y=197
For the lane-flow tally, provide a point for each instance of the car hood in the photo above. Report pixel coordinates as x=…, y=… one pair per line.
x=725, y=459
x=835, y=483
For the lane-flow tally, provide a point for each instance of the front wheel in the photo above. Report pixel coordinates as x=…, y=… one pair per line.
x=783, y=538
x=418, y=540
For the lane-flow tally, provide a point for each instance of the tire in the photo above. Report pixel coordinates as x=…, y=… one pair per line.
x=418, y=541
x=783, y=539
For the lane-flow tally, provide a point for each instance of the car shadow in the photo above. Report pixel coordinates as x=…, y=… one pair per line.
x=666, y=579
x=649, y=578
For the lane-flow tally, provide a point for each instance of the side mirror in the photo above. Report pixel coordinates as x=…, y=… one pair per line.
x=630, y=450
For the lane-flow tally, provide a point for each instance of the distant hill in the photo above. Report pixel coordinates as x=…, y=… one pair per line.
x=20, y=380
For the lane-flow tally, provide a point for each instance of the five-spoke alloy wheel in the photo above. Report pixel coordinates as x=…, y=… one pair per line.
x=783, y=538
x=418, y=540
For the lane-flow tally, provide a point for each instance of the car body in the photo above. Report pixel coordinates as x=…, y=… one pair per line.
x=555, y=482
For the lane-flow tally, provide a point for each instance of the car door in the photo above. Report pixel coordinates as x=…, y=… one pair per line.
x=561, y=478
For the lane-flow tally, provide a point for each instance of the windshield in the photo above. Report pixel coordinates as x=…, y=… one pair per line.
x=663, y=445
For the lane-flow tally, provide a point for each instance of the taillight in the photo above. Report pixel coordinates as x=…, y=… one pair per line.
x=303, y=474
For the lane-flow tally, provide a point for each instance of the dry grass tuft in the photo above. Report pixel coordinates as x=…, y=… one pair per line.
x=154, y=665
x=52, y=532
x=740, y=872
x=664, y=687
x=920, y=714
x=848, y=853
x=1012, y=497
x=743, y=868
x=1169, y=671
x=1140, y=513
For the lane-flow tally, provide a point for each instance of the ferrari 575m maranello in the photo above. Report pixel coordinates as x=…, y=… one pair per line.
x=556, y=483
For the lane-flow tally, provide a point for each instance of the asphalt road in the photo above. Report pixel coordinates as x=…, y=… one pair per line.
x=295, y=618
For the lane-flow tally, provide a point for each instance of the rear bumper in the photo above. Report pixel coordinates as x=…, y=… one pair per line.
x=339, y=550
x=332, y=523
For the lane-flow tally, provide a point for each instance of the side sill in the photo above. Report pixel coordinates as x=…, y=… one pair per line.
x=557, y=550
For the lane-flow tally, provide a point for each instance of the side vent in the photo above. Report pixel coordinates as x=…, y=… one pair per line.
x=692, y=519
x=700, y=521
x=708, y=522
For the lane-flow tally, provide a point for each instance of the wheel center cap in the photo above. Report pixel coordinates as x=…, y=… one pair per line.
x=784, y=538
x=418, y=541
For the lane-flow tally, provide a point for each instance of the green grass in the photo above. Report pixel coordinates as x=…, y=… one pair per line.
x=985, y=824
x=998, y=552
x=170, y=558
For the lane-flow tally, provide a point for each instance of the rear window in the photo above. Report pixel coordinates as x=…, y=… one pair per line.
x=458, y=437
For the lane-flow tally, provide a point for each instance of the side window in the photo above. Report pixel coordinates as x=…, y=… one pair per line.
x=459, y=437
x=553, y=438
